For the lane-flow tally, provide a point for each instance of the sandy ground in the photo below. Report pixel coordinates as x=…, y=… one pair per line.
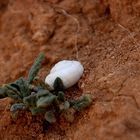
x=104, y=35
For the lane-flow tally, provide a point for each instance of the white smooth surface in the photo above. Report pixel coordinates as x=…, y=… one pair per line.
x=69, y=72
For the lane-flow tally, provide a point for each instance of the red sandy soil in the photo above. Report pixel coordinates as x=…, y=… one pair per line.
x=104, y=35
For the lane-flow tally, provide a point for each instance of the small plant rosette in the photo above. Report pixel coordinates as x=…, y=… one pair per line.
x=34, y=95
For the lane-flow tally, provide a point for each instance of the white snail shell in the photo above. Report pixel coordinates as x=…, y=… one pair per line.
x=69, y=72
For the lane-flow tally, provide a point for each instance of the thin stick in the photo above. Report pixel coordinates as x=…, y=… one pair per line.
x=77, y=30
x=130, y=34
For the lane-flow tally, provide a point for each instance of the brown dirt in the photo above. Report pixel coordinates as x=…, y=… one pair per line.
x=104, y=35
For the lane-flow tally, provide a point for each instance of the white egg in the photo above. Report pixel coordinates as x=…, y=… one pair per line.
x=69, y=72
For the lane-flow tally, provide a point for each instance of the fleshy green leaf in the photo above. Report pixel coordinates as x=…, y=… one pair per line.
x=3, y=92
x=35, y=67
x=40, y=83
x=61, y=96
x=17, y=106
x=46, y=101
x=22, y=86
x=42, y=93
x=83, y=102
x=36, y=110
x=12, y=91
x=50, y=117
x=58, y=84
x=30, y=100
x=14, y=96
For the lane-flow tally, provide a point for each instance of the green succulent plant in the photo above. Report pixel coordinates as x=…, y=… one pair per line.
x=33, y=95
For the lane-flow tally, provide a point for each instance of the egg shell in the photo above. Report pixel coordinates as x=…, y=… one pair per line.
x=69, y=72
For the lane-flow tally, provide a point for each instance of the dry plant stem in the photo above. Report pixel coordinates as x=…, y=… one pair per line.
x=77, y=30
x=130, y=34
